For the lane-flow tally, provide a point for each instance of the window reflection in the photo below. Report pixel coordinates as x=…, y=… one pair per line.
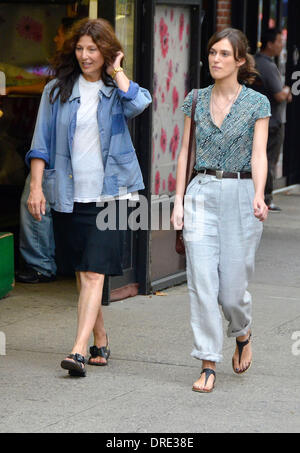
x=28, y=31
x=125, y=32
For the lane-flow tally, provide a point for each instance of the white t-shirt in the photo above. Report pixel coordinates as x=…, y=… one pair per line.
x=87, y=163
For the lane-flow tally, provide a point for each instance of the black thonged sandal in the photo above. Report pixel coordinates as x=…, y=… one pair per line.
x=76, y=366
x=208, y=372
x=241, y=345
x=103, y=352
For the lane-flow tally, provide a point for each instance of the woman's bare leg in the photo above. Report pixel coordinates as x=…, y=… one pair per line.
x=99, y=336
x=88, y=309
x=78, y=282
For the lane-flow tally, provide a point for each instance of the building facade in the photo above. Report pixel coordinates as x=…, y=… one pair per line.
x=165, y=45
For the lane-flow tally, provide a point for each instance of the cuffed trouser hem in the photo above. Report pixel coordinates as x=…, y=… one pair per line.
x=240, y=333
x=207, y=356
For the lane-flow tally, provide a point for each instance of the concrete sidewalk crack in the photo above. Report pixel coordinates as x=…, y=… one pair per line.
x=286, y=323
x=115, y=358
x=84, y=410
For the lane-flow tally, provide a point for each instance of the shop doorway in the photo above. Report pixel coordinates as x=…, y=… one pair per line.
x=253, y=17
x=171, y=44
x=29, y=28
x=27, y=31
x=208, y=28
x=291, y=161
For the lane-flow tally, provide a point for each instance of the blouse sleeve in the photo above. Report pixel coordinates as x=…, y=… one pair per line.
x=187, y=104
x=263, y=108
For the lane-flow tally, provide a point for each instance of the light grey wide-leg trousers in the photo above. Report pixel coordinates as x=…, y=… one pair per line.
x=221, y=236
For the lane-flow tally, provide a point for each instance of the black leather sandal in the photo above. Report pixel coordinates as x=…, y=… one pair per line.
x=76, y=366
x=241, y=345
x=208, y=372
x=103, y=352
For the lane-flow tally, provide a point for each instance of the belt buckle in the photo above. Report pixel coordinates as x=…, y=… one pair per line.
x=219, y=174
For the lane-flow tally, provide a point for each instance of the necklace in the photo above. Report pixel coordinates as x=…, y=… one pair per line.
x=232, y=101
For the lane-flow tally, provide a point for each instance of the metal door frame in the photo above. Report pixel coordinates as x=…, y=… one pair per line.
x=107, y=10
x=144, y=75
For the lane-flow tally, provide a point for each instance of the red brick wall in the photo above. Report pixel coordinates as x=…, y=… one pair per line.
x=223, y=14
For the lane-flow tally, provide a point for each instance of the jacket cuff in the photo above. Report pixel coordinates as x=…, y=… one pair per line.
x=131, y=93
x=34, y=154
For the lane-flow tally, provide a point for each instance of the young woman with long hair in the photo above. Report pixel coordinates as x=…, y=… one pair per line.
x=224, y=204
x=83, y=150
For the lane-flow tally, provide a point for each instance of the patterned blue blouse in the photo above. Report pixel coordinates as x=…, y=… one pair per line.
x=228, y=148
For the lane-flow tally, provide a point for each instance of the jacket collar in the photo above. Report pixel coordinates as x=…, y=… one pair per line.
x=106, y=90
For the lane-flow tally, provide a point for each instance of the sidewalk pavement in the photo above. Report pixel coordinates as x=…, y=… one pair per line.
x=147, y=386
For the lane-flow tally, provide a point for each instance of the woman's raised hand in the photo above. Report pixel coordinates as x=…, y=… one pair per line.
x=115, y=64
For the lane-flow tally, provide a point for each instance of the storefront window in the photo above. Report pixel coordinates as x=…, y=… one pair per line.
x=273, y=14
x=259, y=26
x=282, y=64
x=28, y=32
x=125, y=32
x=93, y=8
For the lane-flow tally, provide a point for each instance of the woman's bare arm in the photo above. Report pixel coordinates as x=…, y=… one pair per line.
x=36, y=202
x=259, y=165
x=177, y=216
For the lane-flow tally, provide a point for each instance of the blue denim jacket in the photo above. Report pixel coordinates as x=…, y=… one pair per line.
x=54, y=134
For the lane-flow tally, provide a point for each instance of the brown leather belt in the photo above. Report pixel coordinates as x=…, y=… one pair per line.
x=226, y=174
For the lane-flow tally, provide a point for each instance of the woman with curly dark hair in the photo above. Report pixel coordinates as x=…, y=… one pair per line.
x=224, y=203
x=83, y=148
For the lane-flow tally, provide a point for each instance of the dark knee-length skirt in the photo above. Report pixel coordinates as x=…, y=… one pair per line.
x=80, y=237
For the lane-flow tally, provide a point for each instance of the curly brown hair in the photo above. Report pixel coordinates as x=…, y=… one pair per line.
x=247, y=73
x=65, y=66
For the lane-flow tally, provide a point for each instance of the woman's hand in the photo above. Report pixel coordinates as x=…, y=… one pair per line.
x=260, y=208
x=177, y=215
x=115, y=64
x=36, y=204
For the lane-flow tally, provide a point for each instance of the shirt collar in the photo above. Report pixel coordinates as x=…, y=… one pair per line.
x=262, y=55
x=244, y=93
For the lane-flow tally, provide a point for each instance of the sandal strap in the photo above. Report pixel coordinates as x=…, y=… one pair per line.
x=241, y=345
x=99, y=352
x=103, y=351
x=208, y=372
x=78, y=357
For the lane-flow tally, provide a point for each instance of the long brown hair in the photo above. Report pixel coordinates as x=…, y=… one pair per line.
x=65, y=65
x=247, y=73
